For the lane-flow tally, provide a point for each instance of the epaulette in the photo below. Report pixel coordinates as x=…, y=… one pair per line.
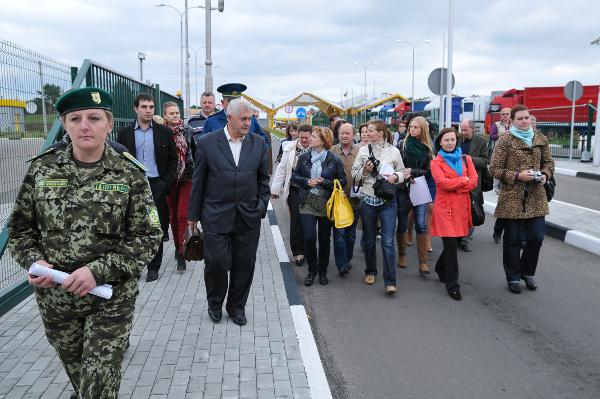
x=134, y=161
x=43, y=154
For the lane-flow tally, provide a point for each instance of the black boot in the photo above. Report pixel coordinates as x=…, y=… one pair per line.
x=323, y=279
x=310, y=278
x=180, y=264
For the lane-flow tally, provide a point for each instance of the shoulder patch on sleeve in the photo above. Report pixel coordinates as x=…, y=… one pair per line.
x=134, y=161
x=43, y=154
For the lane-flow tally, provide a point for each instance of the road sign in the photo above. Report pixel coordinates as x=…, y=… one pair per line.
x=288, y=108
x=573, y=90
x=437, y=81
x=301, y=113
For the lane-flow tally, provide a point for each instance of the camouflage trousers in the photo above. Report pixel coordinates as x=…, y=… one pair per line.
x=90, y=335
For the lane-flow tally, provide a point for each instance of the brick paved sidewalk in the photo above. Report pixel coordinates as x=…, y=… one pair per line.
x=176, y=350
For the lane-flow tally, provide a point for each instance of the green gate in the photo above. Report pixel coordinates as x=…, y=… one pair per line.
x=14, y=62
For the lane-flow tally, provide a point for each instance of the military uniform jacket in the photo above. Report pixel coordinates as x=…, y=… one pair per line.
x=103, y=218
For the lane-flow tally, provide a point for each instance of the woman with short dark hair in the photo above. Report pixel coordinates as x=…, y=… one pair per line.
x=455, y=176
x=314, y=174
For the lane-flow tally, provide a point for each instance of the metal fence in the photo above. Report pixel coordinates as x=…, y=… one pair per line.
x=30, y=84
x=555, y=123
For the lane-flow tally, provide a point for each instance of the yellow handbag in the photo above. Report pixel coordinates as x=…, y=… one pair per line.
x=339, y=210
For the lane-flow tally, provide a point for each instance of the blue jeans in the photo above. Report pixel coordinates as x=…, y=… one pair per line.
x=386, y=214
x=317, y=260
x=520, y=261
x=343, y=243
x=419, y=212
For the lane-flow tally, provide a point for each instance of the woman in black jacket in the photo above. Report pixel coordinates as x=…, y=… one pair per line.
x=416, y=151
x=314, y=174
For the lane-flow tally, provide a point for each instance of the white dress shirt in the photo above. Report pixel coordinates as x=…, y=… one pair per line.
x=235, y=145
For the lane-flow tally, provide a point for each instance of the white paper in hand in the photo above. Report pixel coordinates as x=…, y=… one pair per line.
x=419, y=191
x=103, y=291
x=386, y=170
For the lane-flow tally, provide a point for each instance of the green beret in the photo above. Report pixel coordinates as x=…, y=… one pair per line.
x=84, y=98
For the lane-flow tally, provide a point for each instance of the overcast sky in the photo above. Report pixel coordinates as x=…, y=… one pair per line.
x=280, y=48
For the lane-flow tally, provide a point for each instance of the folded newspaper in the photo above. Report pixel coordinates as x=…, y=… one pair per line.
x=103, y=291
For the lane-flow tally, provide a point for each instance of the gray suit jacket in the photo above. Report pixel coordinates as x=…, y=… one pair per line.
x=221, y=190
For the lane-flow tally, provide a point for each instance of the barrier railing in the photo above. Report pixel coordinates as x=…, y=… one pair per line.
x=30, y=83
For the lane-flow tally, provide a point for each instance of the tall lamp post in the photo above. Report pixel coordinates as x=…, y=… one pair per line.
x=365, y=66
x=208, y=79
x=413, y=46
x=141, y=57
x=183, y=47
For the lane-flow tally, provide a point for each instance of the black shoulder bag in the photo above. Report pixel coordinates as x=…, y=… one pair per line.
x=382, y=188
x=477, y=211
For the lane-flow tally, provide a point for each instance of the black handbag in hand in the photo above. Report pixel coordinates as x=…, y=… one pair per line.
x=193, y=244
x=381, y=188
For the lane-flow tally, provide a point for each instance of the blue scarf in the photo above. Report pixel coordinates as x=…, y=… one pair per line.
x=525, y=135
x=315, y=171
x=453, y=159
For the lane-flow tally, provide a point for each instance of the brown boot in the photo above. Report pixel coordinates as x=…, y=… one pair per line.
x=429, y=215
x=422, y=249
x=401, y=243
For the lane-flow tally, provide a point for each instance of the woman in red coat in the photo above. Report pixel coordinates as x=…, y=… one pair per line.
x=454, y=176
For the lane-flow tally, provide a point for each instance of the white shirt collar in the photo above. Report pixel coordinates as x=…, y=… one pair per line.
x=229, y=138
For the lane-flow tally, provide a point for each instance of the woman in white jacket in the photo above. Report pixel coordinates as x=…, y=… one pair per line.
x=281, y=187
x=379, y=157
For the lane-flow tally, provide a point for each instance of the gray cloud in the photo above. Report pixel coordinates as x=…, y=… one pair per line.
x=280, y=48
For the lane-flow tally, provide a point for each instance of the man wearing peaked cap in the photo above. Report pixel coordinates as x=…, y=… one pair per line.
x=218, y=121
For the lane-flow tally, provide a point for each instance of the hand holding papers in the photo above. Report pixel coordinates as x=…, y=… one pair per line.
x=103, y=291
x=419, y=192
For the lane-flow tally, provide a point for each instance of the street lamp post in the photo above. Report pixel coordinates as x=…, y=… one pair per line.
x=208, y=80
x=365, y=66
x=413, y=46
x=180, y=41
x=141, y=57
x=183, y=46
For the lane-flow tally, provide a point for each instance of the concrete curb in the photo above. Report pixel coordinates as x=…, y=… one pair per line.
x=575, y=173
x=315, y=374
x=568, y=236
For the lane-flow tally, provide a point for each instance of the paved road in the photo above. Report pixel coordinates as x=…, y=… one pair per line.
x=493, y=344
x=578, y=191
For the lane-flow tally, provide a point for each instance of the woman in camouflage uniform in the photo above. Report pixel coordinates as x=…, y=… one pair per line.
x=88, y=211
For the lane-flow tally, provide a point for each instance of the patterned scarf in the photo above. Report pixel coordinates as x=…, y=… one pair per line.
x=315, y=171
x=453, y=159
x=181, y=146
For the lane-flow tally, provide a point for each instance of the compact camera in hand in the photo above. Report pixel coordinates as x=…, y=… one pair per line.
x=537, y=176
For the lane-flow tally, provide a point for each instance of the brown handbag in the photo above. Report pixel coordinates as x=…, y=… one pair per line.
x=193, y=244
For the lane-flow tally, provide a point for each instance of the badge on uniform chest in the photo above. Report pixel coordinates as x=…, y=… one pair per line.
x=101, y=186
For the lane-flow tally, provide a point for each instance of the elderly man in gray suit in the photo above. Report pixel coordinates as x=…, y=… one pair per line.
x=230, y=193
